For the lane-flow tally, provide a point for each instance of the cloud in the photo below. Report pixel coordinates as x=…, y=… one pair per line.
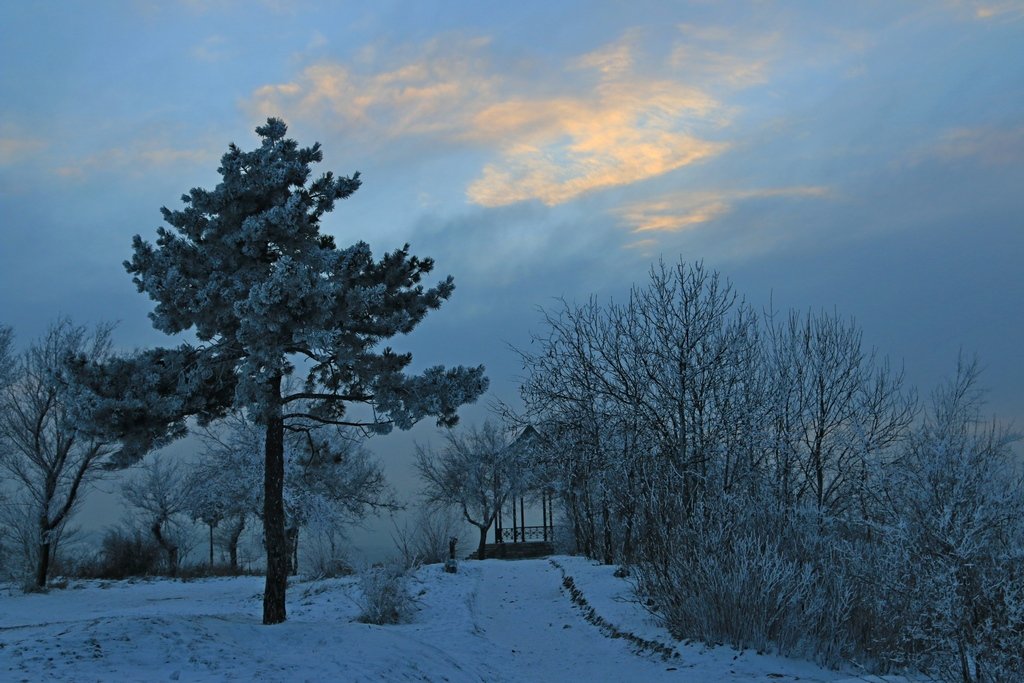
x=986, y=145
x=612, y=60
x=556, y=150
x=1009, y=10
x=142, y=156
x=685, y=211
x=433, y=93
x=644, y=244
x=212, y=49
x=629, y=128
x=14, y=148
x=609, y=126
x=991, y=11
x=721, y=56
x=642, y=106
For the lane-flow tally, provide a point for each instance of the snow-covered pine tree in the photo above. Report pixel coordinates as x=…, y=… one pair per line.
x=246, y=267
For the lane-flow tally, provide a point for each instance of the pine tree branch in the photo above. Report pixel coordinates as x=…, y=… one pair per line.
x=327, y=421
x=313, y=396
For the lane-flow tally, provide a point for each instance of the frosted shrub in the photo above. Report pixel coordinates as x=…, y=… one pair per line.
x=959, y=508
x=738, y=589
x=424, y=539
x=125, y=552
x=324, y=565
x=385, y=597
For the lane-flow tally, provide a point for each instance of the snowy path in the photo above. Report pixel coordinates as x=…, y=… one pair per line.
x=492, y=621
x=536, y=632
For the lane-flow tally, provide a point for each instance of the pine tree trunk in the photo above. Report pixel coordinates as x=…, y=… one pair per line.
x=273, y=515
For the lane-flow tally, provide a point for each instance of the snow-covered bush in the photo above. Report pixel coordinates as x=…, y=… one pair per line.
x=324, y=554
x=774, y=486
x=740, y=576
x=957, y=541
x=125, y=552
x=384, y=595
x=424, y=539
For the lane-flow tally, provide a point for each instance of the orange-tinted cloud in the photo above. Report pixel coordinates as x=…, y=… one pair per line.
x=1006, y=10
x=629, y=128
x=555, y=150
x=608, y=124
x=434, y=93
x=686, y=211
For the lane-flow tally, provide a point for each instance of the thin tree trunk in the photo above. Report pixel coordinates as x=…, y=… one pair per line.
x=233, y=536
x=627, y=536
x=481, y=549
x=273, y=513
x=169, y=548
x=606, y=521
x=43, y=567
x=292, y=533
x=211, y=546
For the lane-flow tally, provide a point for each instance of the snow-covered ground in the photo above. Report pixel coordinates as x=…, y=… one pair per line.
x=492, y=621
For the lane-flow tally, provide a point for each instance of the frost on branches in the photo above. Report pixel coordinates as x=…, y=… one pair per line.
x=331, y=481
x=772, y=483
x=246, y=268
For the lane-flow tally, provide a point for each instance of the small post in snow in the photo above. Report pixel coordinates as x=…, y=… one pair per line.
x=450, y=565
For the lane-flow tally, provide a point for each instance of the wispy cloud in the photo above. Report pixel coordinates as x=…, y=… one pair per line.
x=142, y=156
x=629, y=128
x=434, y=93
x=15, y=148
x=611, y=123
x=613, y=60
x=556, y=150
x=644, y=244
x=685, y=211
x=213, y=49
x=1007, y=10
x=986, y=145
x=720, y=55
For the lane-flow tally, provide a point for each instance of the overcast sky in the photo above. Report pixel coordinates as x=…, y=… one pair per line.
x=864, y=157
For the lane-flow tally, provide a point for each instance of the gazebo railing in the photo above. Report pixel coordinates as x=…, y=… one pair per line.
x=523, y=534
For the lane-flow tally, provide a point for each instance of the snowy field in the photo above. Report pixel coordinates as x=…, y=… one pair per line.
x=492, y=621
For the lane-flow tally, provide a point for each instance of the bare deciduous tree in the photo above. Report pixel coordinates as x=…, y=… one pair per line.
x=47, y=456
x=477, y=472
x=159, y=492
x=834, y=408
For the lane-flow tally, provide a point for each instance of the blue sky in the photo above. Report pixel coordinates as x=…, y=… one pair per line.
x=863, y=157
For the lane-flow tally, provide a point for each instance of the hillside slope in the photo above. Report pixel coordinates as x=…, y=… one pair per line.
x=492, y=621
